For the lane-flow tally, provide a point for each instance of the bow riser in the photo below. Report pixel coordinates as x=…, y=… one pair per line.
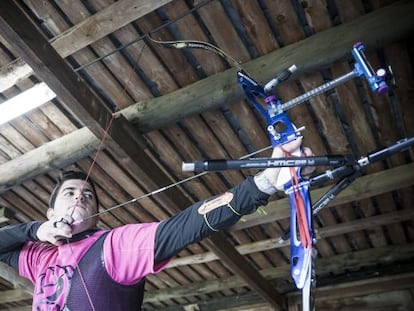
x=280, y=128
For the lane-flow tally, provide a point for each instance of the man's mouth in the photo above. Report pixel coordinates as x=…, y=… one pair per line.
x=79, y=205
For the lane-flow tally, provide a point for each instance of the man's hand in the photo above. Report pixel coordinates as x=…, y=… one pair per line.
x=55, y=229
x=273, y=179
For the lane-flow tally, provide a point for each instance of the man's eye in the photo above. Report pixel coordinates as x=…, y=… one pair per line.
x=68, y=193
x=88, y=195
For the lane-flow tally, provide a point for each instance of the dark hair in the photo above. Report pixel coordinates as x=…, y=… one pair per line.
x=68, y=175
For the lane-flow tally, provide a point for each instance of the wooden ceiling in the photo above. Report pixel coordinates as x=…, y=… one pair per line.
x=166, y=106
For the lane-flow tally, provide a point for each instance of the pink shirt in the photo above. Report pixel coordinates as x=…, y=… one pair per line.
x=128, y=253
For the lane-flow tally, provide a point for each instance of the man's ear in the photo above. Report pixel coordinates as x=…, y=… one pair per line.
x=50, y=213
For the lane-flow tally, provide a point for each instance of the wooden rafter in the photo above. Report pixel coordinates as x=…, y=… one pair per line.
x=140, y=114
x=123, y=140
x=222, y=88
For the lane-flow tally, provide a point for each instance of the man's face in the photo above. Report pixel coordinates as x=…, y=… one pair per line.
x=76, y=199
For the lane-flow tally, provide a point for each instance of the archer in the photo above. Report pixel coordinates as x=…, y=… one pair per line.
x=70, y=260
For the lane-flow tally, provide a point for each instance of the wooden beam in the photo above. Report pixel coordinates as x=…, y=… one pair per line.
x=12, y=73
x=225, y=251
x=10, y=275
x=13, y=295
x=376, y=286
x=364, y=187
x=365, y=286
x=337, y=264
x=319, y=50
x=123, y=140
x=23, y=308
x=91, y=29
x=383, y=291
x=222, y=88
x=325, y=232
x=5, y=214
x=58, y=153
x=400, y=300
x=102, y=23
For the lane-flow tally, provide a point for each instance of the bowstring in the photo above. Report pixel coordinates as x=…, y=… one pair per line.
x=91, y=167
x=177, y=44
x=304, y=226
x=162, y=189
x=306, y=239
x=88, y=295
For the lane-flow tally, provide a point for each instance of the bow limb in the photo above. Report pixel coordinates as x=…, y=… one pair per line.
x=194, y=44
x=302, y=253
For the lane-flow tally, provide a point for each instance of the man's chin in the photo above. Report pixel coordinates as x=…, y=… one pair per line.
x=80, y=225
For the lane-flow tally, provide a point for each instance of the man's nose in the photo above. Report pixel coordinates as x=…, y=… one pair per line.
x=80, y=197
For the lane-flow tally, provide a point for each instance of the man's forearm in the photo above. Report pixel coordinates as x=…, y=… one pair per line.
x=13, y=237
x=204, y=218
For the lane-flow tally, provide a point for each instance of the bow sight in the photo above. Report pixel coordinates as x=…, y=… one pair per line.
x=281, y=130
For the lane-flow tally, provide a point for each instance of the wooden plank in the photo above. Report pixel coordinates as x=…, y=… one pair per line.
x=11, y=276
x=255, y=25
x=316, y=15
x=286, y=21
x=102, y=23
x=116, y=65
x=398, y=56
x=378, y=293
x=364, y=187
x=349, y=10
x=6, y=214
x=373, y=300
x=336, y=264
x=55, y=154
x=14, y=295
x=216, y=20
x=12, y=73
x=218, y=243
x=381, y=301
x=325, y=232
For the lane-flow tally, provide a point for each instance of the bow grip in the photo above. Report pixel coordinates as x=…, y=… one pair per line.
x=376, y=80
